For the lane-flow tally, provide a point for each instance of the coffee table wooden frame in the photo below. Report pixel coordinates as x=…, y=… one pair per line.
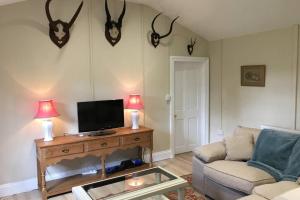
x=177, y=184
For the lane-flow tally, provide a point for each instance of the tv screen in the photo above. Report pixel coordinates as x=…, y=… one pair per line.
x=100, y=115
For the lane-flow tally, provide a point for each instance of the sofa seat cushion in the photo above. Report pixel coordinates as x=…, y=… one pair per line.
x=290, y=195
x=237, y=175
x=252, y=197
x=270, y=191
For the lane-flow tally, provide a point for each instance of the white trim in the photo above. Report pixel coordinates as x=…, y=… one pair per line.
x=18, y=187
x=205, y=122
x=31, y=184
x=280, y=129
x=158, y=156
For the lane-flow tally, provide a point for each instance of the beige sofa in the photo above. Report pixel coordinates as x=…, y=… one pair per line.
x=221, y=179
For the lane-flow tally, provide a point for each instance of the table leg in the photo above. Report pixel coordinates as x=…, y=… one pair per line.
x=39, y=174
x=43, y=183
x=181, y=194
x=140, y=153
x=103, y=158
x=151, y=158
x=158, y=178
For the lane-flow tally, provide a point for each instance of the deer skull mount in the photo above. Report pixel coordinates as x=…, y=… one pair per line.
x=113, y=28
x=156, y=37
x=59, y=31
x=190, y=47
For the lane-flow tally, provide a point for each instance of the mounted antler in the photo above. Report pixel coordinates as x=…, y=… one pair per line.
x=48, y=11
x=156, y=37
x=59, y=31
x=190, y=47
x=120, y=20
x=76, y=15
x=113, y=28
x=108, y=17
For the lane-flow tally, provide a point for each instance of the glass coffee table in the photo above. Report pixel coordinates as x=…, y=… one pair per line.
x=148, y=184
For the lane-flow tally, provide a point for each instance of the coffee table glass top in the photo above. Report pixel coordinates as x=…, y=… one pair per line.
x=118, y=186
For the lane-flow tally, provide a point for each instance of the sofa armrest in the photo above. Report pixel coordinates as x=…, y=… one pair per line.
x=290, y=195
x=211, y=152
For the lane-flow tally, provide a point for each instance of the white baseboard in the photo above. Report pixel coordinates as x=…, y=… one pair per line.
x=18, y=187
x=31, y=184
x=158, y=156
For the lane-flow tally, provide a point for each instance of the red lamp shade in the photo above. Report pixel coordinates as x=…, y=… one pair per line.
x=135, y=102
x=46, y=109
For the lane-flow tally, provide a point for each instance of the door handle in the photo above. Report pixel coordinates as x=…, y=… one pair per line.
x=175, y=116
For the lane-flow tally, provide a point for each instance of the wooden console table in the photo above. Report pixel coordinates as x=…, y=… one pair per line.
x=72, y=147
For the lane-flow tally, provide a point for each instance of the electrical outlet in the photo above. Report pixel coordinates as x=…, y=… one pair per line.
x=220, y=132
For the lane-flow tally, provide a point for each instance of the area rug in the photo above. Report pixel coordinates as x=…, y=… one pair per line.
x=190, y=192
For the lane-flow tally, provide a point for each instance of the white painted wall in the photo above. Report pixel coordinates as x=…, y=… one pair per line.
x=274, y=104
x=33, y=68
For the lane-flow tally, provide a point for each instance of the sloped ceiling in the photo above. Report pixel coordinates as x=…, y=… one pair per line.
x=218, y=19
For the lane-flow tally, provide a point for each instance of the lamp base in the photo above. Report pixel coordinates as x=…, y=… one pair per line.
x=135, y=119
x=48, y=126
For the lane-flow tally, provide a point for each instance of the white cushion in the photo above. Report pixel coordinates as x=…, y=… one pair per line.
x=290, y=195
x=211, y=152
x=237, y=175
x=239, y=147
x=270, y=191
x=252, y=197
x=241, y=130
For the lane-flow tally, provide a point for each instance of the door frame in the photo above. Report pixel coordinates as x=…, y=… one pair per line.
x=204, y=122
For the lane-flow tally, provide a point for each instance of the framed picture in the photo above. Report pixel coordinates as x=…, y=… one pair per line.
x=253, y=75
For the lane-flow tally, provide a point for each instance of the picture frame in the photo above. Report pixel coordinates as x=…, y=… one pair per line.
x=253, y=75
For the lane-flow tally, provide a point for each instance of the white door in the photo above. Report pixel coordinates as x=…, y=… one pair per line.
x=187, y=109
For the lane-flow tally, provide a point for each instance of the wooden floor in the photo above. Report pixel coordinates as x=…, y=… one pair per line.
x=180, y=165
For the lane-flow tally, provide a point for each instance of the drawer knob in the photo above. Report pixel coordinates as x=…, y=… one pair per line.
x=104, y=144
x=137, y=139
x=65, y=150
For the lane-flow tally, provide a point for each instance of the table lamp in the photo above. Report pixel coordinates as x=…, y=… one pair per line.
x=135, y=103
x=46, y=111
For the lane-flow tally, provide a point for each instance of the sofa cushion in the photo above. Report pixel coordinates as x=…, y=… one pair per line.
x=290, y=195
x=252, y=197
x=239, y=147
x=237, y=175
x=241, y=130
x=270, y=191
x=211, y=152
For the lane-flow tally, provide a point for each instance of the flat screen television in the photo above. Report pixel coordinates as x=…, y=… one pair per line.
x=100, y=115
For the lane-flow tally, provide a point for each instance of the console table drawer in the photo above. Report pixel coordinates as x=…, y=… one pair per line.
x=138, y=138
x=102, y=144
x=63, y=150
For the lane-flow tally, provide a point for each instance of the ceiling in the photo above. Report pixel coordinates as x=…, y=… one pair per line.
x=218, y=19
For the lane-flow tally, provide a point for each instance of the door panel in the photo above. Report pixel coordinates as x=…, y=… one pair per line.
x=179, y=130
x=192, y=131
x=186, y=106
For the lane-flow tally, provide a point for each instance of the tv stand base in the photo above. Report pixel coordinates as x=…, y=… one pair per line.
x=102, y=132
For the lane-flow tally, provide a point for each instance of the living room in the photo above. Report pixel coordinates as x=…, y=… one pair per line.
x=78, y=59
